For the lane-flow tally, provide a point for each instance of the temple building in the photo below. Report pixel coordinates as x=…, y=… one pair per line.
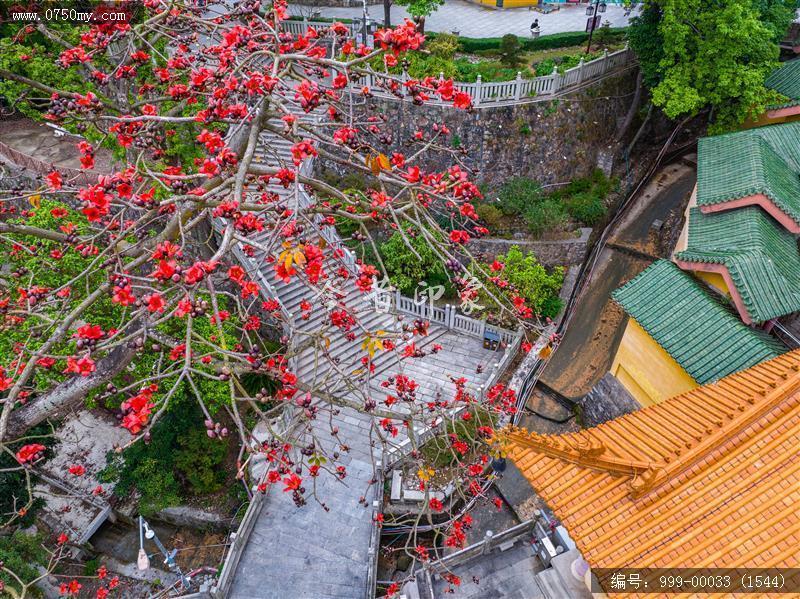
x=755, y=167
x=679, y=336
x=785, y=80
x=747, y=256
x=708, y=478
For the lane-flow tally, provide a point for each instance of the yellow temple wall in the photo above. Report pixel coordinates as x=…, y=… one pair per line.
x=511, y=3
x=648, y=372
x=715, y=280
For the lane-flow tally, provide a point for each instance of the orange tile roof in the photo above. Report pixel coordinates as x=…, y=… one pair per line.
x=710, y=478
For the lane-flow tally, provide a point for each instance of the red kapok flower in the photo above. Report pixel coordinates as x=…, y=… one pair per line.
x=29, y=453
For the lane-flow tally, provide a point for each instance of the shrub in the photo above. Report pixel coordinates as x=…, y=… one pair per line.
x=543, y=42
x=438, y=453
x=517, y=194
x=21, y=553
x=198, y=461
x=443, y=45
x=546, y=215
x=531, y=281
x=13, y=482
x=406, y=270
x=587, y=207
x=489, y=214
x=423, y=65
x=510, y=49
x=155, y=468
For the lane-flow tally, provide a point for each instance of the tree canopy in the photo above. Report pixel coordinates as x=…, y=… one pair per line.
x=696, y=54
x=151, y=282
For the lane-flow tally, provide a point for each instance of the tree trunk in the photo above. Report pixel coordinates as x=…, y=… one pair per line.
x=641, y=129
x=420, y=23
x=387, y=13
x=622, y=131
x=69, y=394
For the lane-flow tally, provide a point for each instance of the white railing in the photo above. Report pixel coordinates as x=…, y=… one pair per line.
x=296, y=27
x=447, y=316
x=521, y=90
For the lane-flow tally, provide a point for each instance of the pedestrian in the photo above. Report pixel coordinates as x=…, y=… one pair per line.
x=535, y=28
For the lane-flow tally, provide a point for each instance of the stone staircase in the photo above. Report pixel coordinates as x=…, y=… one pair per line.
x=327, y=547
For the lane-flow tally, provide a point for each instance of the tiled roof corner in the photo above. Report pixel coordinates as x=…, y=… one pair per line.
x=696, y=481
x=786, y=81
x=702, y=335
x=756, y=161
x=761, y=257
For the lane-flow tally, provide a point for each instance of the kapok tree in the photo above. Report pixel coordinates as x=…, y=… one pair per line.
x=115, y=290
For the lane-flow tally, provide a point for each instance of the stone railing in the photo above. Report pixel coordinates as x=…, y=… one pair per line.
x=40, y=167
x=521, y=90
x=446, y=316
x=236, y=548
x=301, y=27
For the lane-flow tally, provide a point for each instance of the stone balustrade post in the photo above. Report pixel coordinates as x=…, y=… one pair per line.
x=477, y=98
x=487, y=542
x=518, y=87
x=580, y=71
x=557, y=79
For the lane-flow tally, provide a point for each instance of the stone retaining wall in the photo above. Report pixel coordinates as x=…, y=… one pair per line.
x=551, y=141
x=562, y=252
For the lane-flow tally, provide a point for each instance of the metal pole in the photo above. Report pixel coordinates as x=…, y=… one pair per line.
x=364, y=23
x=169, y=558
x=591, y=29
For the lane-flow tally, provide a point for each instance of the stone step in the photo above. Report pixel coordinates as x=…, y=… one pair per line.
x=551, y=585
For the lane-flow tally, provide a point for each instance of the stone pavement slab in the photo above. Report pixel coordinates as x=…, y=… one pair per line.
x=474, y=20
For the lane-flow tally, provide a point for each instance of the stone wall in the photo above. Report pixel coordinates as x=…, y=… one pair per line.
x=562, y=252
x=549, y=140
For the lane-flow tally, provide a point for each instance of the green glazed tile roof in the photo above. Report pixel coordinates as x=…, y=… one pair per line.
x=760, y=255
x=762, y=160
x=786, y=81
x=702, y=335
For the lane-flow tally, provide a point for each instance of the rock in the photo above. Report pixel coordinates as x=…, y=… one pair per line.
x=185, y=516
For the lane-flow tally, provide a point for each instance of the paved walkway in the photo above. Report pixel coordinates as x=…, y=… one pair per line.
x=473, y=20
x=308, y=552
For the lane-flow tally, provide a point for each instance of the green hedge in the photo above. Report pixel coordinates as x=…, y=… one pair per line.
x=544, y=42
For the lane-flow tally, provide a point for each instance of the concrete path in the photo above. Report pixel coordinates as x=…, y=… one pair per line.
x=590, y=342
x=312, y=552
x=474, y=20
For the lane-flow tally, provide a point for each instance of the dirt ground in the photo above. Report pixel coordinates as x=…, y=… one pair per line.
x=591, y=340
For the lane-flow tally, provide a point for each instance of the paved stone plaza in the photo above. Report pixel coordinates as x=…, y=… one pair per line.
x=473, y=20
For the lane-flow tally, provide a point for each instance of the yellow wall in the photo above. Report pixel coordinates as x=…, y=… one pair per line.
x=714, y=279
x=648, y=372
x=763, y=120
x=511, y=3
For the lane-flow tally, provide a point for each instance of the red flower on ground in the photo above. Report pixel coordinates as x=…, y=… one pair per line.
x=77, y=470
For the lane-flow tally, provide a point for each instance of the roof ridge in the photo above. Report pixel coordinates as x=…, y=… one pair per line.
x=583, y=450
x=741, y=399
x=724, y=431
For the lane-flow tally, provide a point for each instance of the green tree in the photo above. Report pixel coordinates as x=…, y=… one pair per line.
x=419, y=9
x=510, y=50
x=406, y=270
x=20, y=553
x=697, y=54
x=30, y=54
